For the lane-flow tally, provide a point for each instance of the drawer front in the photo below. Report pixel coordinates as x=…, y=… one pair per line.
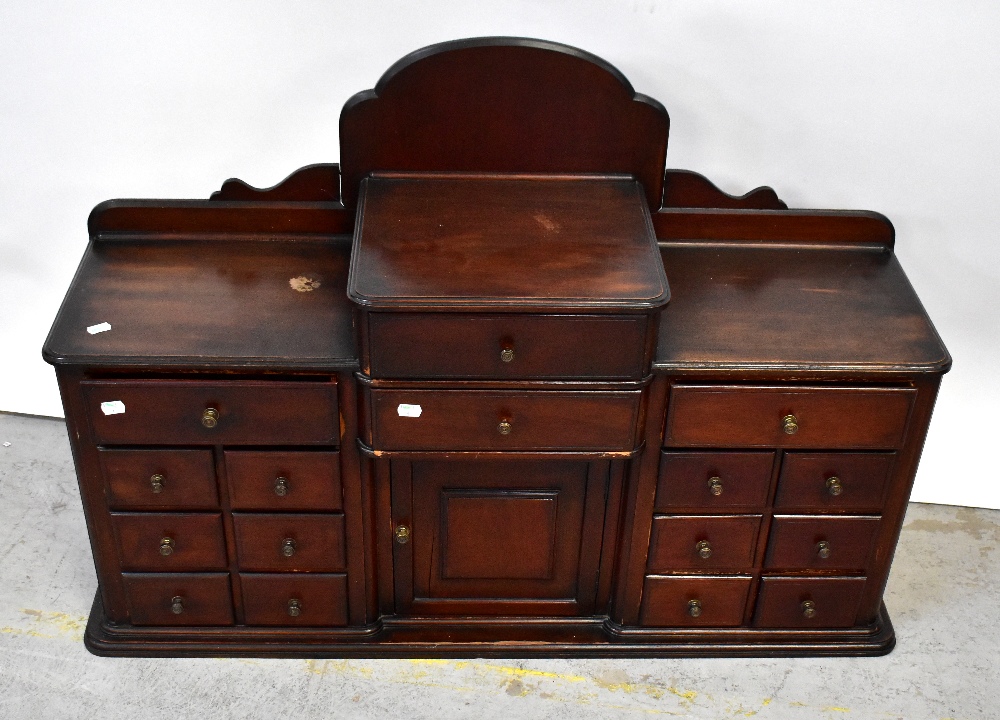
x=852, y=482
x=504, y=420
x=680, y=601
x=432, y=345
x=821, y=543
x=289, y=542
x=284, y=480
x=177, y=412
x=296, y=600
x=808, y=602
x=713, y=480
x=152, y=479
x=703, y=543
x=168, y=542
x=714, y=416
x=178, y=599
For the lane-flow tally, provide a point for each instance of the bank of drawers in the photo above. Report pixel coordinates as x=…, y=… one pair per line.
x=769, y=504
x=268, y=541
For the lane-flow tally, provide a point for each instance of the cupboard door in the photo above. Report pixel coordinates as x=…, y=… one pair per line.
x=497, y=537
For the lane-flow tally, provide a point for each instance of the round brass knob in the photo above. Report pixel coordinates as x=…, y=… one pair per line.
x=704, y=549
x=210, y=418
x=694, y=608
x=789, y=424
x=288, y=547
x=507, y=354
x=177, y=605
x=281, y=486
x=294, y=608
x=808, y=609
x=834, y=486
x=402, y=534
x=715, y=485
x=504, y=428
x=166, y=546
x=823, y=549
x=156, y=482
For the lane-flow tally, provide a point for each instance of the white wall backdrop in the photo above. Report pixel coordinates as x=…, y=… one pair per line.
x=879, y=105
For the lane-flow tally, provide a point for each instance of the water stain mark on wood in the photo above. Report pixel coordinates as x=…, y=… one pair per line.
x=304, y=284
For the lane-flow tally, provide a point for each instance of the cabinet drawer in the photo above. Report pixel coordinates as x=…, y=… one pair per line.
x=432, y=345
x=174, y=412
x=284, y=480
x=835, y=417
x=808, y=602
x=680, y=601
x=703, y=543
x=290, y=542
x=165, y=542
x=833, y=481
x=304, y=600
x=152, y=479
x=821, y=543
x=713, y=480
x=504, y=420
x=178, y=599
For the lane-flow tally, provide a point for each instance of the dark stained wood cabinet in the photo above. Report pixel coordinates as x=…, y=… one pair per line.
x=499, y=384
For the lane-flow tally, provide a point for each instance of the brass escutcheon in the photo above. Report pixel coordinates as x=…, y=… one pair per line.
x=834, y=486
x=694, y=608
x=504, y=428
x=288, y=547
x=166, y=546
x=281, y=486
x=507, y=354
x=210, y=418
x=808, y=608
x=177, y=605
x=823, y=549
x=715, y=485
x=402, y=534
x=789, y=424
x=156, y=482
x=294, y=608
x=704, y=549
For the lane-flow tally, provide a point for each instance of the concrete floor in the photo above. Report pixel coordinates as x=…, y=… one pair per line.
x=943, y=597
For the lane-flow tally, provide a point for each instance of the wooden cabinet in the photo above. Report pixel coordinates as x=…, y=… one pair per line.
x=499, y=384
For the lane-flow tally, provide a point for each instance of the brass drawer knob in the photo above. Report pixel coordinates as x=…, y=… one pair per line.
x=504, y=428
x=715, y=485
x=294, y=608
x=288, y=547
x=823, y=549
x=704, y=549
x=507, y=354
x=834, y=486
x=694, y=608
x=789, y=424
x=166, y=546
x=177, y=605
x=156, y=483
x=808, y=609
x=402, y=534
x=281, y=486
x=210, y=418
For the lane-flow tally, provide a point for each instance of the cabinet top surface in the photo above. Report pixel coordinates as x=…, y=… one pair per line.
x=468, y=241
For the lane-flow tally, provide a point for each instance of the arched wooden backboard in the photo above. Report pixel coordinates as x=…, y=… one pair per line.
x=506, y=105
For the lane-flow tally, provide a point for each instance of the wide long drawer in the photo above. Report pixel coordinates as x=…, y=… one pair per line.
x=800, y=417
x=405, y=420
x=448, y=345
x=211, y=412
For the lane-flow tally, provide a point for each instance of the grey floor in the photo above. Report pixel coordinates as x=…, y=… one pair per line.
x=943, y=596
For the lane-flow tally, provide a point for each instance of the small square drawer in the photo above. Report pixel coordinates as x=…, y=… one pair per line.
x=703, y=543
x=192, y=412
x=290, y=542
x=450, y=345
x=821, y=543
x=504, y=420
x=270, y=480
x=713, y=481
x=168, y=542
x=808, y=602
x=684, y=601
x=153, y=479
x=801, y=417
x=853, y=482
x=304, y=600
x=178, y=598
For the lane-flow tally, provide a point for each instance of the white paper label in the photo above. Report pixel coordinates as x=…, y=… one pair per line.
x=405, y=410
x=99, y=328
x=113, y=407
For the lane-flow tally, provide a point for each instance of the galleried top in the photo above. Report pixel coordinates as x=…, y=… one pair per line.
x=503, y=105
